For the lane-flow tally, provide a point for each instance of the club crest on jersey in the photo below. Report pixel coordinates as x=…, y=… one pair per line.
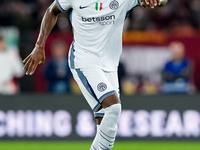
x=114, y=5
x=99, y=6
x=101, y=87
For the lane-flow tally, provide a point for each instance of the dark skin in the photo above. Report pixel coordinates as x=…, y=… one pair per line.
x=37, y=56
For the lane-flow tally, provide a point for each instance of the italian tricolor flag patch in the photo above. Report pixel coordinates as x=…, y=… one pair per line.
x=99, y=6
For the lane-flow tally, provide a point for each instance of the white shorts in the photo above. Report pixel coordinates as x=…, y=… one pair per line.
x=96, y=84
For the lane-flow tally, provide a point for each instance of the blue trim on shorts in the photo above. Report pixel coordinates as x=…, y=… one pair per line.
x=89, y=89
x=97, y=107
x=86, y=83
x=99, y=114
x=59, y=6
x=72, y=56
x=100, y=100
x=106, y=95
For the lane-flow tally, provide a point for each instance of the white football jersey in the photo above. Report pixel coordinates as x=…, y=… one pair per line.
x=97, y=27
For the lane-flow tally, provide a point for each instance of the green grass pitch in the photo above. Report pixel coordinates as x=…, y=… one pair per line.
x=85, y=145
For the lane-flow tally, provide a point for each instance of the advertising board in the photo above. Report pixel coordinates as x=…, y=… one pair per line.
x=68, y=117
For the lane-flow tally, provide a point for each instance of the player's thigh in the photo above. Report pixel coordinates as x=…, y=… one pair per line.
x=95, y=83
x=113, y=79
x=86, y=90
x=99, y=82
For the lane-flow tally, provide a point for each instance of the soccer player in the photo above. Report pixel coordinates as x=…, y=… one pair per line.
x=93, y=57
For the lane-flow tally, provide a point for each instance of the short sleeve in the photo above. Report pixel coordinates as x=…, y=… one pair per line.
x=63, y=5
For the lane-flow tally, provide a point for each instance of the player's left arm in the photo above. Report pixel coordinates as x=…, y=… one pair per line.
x=150, y=3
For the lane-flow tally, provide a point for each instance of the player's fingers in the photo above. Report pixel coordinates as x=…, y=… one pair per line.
x=41, y=62
x=30, y=68
x=158, y=2
x=27, y=58
x=147, y=2
x=143, y=4
x=155, y=3
x=27, y=64
x=152, y=3
x=34, y=68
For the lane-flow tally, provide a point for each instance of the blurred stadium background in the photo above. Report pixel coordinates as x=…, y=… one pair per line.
x=160, y=103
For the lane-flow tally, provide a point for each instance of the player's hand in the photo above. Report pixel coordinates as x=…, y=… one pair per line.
x=36, y=57
x=150, y=3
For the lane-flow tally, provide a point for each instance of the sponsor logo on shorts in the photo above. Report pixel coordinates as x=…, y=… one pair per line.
x=101, y=87
x=114, y=5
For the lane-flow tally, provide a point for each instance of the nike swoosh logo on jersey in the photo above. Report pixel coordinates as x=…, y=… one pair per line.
x=82, y=7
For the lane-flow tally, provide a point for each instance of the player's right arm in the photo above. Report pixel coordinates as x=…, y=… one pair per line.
x=37, y=56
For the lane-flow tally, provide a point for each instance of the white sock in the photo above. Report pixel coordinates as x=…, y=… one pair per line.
x=95, y=143
x=108, y=127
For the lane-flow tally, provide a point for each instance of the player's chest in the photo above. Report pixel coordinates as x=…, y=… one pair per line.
x=96, y=7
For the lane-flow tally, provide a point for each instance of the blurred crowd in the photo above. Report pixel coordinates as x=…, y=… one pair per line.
x=152, y=70
x=10, y=69
x=177, y=13
x=172, y=73
x=26, y=15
